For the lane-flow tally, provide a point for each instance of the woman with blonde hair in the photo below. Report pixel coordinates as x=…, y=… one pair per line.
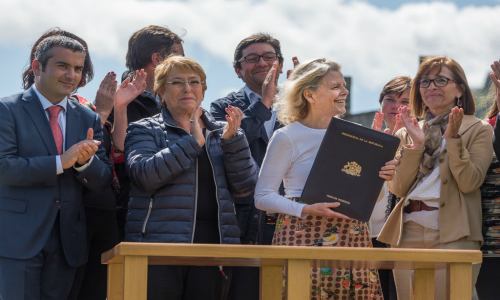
x=443, y=161
x=313, y=94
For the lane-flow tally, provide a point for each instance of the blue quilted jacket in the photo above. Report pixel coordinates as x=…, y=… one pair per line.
x=161, y=162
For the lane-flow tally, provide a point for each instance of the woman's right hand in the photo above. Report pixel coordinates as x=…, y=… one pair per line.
x=413, y=128
x=195, y=129
x=495, y=79
x=323, y=210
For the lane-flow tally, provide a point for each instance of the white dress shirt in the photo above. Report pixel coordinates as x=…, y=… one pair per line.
x=269, y=125
x=61, y=119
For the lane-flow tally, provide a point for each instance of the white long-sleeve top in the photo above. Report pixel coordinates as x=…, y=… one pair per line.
x=289, y=158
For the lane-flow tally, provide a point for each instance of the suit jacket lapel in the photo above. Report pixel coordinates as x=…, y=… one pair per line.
x=34, y=109
x=72, y=125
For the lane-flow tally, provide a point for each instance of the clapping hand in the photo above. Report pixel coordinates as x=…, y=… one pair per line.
x=495, y=79
x=105, y=96
x=269, y=86
x=80, y=152
x=377, y=121
x=233, y=117
x=195, y=128
x=454, y=122
x=295, y=64
x=416, y=133
x=128, y=91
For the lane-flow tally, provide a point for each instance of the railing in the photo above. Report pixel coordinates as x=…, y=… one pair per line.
x=128, y=265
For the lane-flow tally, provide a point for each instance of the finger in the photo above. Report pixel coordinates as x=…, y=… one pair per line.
x=238, y=112
x=496, y=69
x=111, y=83
x=288, y=73
x=104, y=81
x=331, y=204
x=386, y=177
x=272, y=72
x=90, y=134
x=392, y=162
x=295, y=61
x=125, y=83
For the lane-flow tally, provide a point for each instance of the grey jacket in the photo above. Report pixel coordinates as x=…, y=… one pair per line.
x=161, y=162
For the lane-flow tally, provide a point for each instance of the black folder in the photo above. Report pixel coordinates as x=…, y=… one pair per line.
x=346, y=168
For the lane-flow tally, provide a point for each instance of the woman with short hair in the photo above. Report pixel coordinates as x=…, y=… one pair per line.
x=185, y=169
x=443, y=161
x=313, y=94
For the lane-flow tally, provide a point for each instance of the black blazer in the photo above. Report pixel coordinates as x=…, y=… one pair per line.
x=31, y=191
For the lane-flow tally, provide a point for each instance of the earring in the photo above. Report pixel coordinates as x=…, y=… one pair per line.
x=424, y=106
x=459, y=103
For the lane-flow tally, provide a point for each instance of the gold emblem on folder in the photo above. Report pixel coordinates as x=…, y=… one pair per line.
x=352, y=168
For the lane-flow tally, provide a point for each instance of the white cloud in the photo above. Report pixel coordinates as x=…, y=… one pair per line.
x=372, y=44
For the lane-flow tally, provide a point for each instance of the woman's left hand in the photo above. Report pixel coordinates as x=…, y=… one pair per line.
x=233, y=117
x=387, y=171
x=454, y=122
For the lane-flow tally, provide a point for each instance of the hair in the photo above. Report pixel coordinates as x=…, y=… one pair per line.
x=177, y=63
x=256, y=38
x=88, y=68
x=290, y=102
x=468, y=103
x=147, y=41
x=397, y=85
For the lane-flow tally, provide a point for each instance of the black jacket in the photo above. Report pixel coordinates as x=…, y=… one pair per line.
x=161, y=162
x=250, y=219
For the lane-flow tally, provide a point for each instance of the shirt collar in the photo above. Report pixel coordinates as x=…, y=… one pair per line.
x=151, y=95
x=46, y=103
x=253, y=96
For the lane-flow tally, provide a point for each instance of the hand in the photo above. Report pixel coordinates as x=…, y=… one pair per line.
x=378, y=121
x=269, y=86
x=454, y=122
x=399, y=125
x=323, y=210
x=387, y=171
x=295, y=64
x=195, y=129
x=78, y=152
x=495, y=79
x=233, y=117
x=416, y=133
x=128, y=91
x=105, y=97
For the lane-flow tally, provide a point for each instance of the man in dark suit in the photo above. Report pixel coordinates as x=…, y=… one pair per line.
x=49, y=150
x=253, y=59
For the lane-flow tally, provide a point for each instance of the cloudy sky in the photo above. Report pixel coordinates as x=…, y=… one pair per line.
x=374, y=40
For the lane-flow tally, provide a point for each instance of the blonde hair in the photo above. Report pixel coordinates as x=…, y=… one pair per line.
x=177, y=63
x=290, y=102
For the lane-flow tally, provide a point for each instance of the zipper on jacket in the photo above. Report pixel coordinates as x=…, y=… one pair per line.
x=216, y=193
x=147, y=216
x=195, y=201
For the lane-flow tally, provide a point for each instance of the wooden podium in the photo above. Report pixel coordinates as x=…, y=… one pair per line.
x=128, y=265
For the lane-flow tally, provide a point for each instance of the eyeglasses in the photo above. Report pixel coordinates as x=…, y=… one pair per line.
x=441, y=81
x=180, y=84
x=253, y=58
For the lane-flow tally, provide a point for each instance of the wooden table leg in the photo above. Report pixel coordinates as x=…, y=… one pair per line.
x=115, y=282
x=460, y=281
x=298, y=286
x=136, y=277
x=424, y=284
x=271, y=282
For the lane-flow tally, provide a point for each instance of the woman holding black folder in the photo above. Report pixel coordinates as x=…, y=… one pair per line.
x=313, y=94
x=443, y=161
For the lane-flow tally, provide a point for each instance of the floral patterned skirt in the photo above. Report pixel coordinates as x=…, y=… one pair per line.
x=328, y=283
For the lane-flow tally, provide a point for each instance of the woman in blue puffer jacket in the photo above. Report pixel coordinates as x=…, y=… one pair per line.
x=185, y=169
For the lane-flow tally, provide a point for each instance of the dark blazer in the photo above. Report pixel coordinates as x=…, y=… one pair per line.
x=254, y=116
x=31, y=191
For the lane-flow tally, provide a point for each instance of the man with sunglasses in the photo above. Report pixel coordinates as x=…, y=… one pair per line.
x=253, y=59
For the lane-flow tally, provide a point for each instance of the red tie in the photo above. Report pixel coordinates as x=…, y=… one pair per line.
x=56, y=129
